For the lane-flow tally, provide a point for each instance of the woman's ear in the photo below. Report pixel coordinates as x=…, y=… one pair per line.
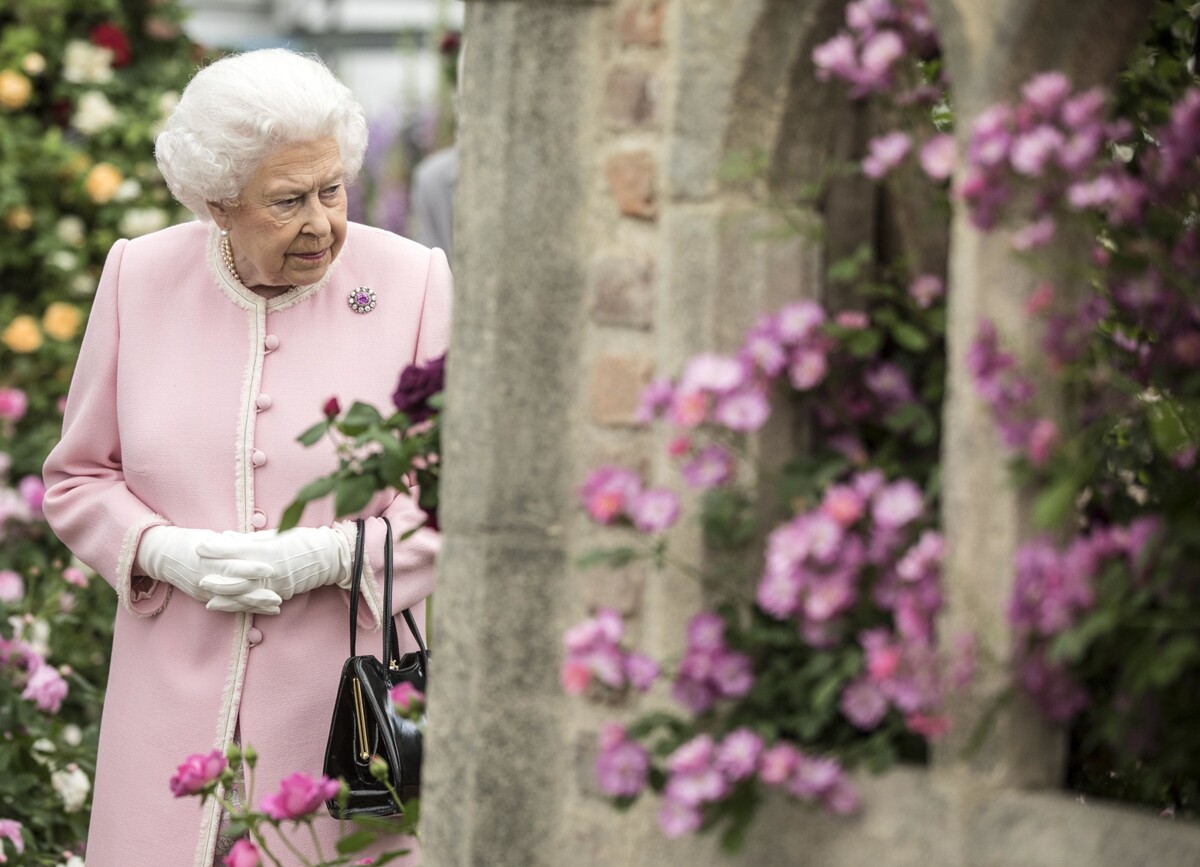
x=219, y=212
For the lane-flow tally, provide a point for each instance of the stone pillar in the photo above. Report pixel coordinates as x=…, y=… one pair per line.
x=494, y=780
x=991, y=49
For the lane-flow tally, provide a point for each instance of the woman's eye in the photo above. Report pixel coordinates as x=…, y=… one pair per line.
x=289, y=202
x=331, y=191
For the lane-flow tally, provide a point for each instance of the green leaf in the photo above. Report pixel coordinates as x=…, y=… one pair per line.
x=360, y=417
x=291, y=515
x=314, y=433
x=353, y=494
x=355, y=841
x=1054, y=504
x=615, y=558
x=1172, y=425
x=865, y=343
x=910, y=337
x=1071, y=645
x=316, y=489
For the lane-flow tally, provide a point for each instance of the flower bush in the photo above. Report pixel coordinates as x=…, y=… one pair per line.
x=834, y=665
x=289, y=810
x=82, y=87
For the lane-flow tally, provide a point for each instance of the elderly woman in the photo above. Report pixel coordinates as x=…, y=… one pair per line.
x=211, y=346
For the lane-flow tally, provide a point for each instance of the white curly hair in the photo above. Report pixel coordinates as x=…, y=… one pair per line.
x=239, y=109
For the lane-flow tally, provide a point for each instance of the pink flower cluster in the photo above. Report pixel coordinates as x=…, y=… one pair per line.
x=44, y=684
x=622, y=765
x=1054, y=143
x=703, y=771
x=299, y=796
x=709, y=669
x=901, y=673
x=594, y=651
x=613, y=494
x=879, y=34
x=1054, y=587
x=816, y=562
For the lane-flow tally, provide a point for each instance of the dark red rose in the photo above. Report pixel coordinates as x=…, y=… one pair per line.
x=332, y=408
x=113, y=38
x=450, y=43
x=418, y=384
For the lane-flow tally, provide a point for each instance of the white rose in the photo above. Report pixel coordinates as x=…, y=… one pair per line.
x=73, y=861
x=72, y=735
x=72, y=786
x=84, y=63
x=40, y=747
x=129, y=190
x=83, y=284
x=70, y=230
x=64, y=260
x=142, y=221
x=34, y=631
x=94, y=113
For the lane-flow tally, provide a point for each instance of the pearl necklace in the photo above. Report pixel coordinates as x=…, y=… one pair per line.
x=227, y=258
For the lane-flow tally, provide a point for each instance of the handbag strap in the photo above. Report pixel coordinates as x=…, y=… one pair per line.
x=390, y=644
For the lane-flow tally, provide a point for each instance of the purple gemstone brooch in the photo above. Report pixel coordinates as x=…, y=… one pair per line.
x=362, y=300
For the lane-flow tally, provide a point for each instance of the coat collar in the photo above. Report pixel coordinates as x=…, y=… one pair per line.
x=249, y=300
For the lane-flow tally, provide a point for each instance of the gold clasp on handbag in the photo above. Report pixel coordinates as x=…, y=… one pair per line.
x=361, y=718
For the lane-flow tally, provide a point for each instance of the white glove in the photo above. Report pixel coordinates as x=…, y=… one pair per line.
x=171, y=555
x=300, y=559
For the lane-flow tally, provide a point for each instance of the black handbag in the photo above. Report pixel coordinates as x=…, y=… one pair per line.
x=365, y=723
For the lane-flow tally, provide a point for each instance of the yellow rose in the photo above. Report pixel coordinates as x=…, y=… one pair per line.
x=14, y=89
x=22, y=335
x=102, y=182
x=19, y=219
x=61, y=320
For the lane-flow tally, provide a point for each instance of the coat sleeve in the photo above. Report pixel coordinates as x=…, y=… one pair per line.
x=87, y=502
x=412, y=559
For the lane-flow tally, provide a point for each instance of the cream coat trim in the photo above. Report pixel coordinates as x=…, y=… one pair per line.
x=125, y=561
x=243, y=297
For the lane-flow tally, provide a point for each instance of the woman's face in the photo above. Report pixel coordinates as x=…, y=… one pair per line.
x=289, y=222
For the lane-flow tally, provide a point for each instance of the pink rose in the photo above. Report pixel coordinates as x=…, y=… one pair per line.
x=243, y=854
x=10, y=829
x=75, y=577
x=196, y=772
x=407, y=698
x=574, y=677
x=13, y=404
x=12, y=588
x=45, y=688
x=299, y=795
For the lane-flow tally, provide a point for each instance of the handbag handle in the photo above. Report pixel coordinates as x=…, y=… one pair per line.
x=391, y=652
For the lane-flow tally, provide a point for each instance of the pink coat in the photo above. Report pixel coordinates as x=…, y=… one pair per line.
x=188, y=397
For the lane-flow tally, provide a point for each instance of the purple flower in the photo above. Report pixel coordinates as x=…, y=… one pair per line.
x=813, y=777
x=778, y=763
x=897, y=504
x=641, y=671
x=1084, y=108
x=1033, y=235
x=655, y=510
x=608, y=493
x=655, y=399
x=711, y=467
x=778, y=594
x=1046, y=92
x=732, y=675
x=622, y=766
x=706, y=631
x=798, y=321
x=33, y=491
x=888, y=382
x=743, y=411
x=886, y=152
x=879, y=53
x=691, y=757
x=1032, y=150
x=842, y=798
x=836, y=57
x=696, y=788
x=737, y=756
x=864, y=704
x=763, y=347
x=938, y=156
x=417, y=385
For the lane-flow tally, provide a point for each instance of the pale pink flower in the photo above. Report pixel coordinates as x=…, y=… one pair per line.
x=837, y=56
x=714, y=373
x=737, y=756
x=1032, y=150
x=1039, y=233
x=244, y=854
x=813, y=776
x=13, y=404
x=641, y=671
x=574, y=677
x=75, y=576
x=844, y=504
x=706, y=631
x=743, y=411
x=710, y=468
x=925, y=289
x=655, y=398
x=299, y=795
x=938, y=157
x=807, y=368
x=842, y=798
x=12, y=588
x=886, y=152
x=655, y=510
x=1042, y=441
x=897, y=504
x=45, y=687
x=196, y=772
x=880, y=52
x=778, y=763
x=10, y=829
x=778, y=594
x=688, y=409
x=621, y=766
x=607, y=492
x=33, y=492
x=1046, y=91
x=799, y=321
x=852, y=320
x=676, y=819
x=864, y=704
x=695, y=788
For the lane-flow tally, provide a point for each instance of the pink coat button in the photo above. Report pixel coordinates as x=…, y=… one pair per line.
x=263, y=401
x=258, y=457
x=259, y=519
x=271, y=342
x=255, y=636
